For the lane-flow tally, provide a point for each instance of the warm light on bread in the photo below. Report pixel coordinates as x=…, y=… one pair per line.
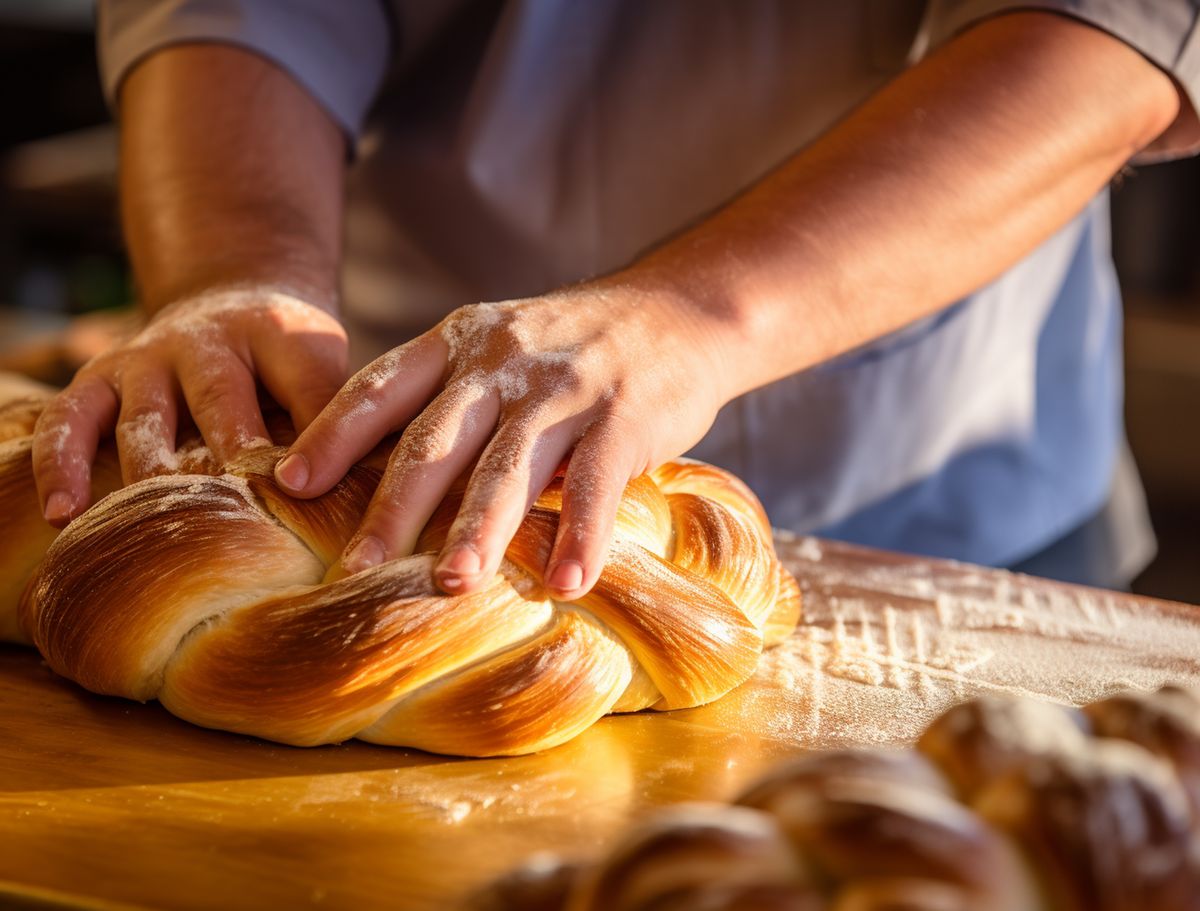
x=216, y=595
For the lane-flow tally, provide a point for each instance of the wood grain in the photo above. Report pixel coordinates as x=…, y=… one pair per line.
x=106, y=802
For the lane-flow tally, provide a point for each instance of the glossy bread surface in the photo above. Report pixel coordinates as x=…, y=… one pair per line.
x=109, y=799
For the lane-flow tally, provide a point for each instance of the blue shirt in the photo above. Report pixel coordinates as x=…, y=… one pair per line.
x=509, y=155
x=982, y=433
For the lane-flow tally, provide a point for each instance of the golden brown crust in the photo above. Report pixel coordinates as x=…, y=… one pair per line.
x=539, y=693
x=24, y=534
x=720, y=545
x=19, y=415
x=100, y=617
x=691, y=640
x=217, y=594
x=323, y=523
x=321, y=665
x=690, y=476
x=782, y=620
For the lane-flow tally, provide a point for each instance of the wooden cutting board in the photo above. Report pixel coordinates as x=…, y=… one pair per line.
x=108, y=804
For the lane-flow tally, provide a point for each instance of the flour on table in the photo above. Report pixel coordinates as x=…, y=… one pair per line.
x=886, y=644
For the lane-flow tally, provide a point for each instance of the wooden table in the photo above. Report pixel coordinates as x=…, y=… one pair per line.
x=110, y=804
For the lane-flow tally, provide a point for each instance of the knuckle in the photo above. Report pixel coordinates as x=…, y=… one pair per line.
x=45, y=461
x=387, y=517
x=468, y=530
x=381, y=519
x=425, y=441
x=617, y=417
x=52, y=419
x=380, y=373
x=501, y=466
x=423, y=449
x=145, y=412
x=364, y=395
x=228, y=416
x=393, y=488
x=580, y=522
x=620, y=445
x=289, y=315
x=508, y=461
x=55, y=431
x=144, y=438
x=214, y=395
x=471, y=330
x=56, y=451
x=562, y=378
x=102, y=366
x=494, y=508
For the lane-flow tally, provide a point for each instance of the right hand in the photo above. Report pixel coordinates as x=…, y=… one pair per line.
x=207, y=352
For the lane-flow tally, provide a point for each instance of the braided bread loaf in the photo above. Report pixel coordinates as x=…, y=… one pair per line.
x=218, y=595
x=1004, y=805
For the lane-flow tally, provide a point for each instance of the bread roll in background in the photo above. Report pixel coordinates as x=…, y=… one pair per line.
x=1003, y=805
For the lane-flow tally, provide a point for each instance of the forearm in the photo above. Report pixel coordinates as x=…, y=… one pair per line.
x=230, y=174
x=932, y=188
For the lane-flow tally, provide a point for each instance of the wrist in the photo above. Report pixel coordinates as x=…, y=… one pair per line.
x=245, y=288
x=693, y=320
x=237, y=298
x=751, y=330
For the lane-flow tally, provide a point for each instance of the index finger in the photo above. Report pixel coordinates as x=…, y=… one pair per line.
x=64, y=446
x=377, y=400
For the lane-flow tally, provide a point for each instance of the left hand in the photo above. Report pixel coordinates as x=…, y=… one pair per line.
x=616, y=376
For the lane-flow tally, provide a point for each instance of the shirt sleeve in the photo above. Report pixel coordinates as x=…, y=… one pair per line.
x=1165, y=32
x=337, y=49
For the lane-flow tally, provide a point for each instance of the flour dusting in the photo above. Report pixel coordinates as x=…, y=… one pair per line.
x=886, y=644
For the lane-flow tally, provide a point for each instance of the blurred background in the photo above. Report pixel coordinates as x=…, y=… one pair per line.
x=65, y=288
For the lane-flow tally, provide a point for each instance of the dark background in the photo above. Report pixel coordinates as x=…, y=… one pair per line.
x=60, y=256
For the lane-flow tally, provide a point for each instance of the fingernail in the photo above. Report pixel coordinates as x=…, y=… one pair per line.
x=565, y=576
x=58, y=507
x=366, y=553
x=292, y=472
x=460, y=562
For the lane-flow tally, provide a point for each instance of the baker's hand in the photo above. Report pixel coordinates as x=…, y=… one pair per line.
x=618, y=379
x=208, y=351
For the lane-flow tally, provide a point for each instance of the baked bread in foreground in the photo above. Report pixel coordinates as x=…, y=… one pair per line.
x=216, y=593
x=1004, y=805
